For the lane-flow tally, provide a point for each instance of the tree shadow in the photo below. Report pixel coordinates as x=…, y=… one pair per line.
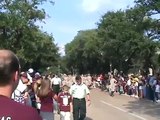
x=144, y=107
x=87, y=118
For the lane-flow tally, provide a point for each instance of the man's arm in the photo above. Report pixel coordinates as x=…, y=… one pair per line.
x=88, y=94
x=88, y=97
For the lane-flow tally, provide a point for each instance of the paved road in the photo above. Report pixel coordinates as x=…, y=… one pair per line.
x=120, y=107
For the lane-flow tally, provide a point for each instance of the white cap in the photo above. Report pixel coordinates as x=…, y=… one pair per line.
x=37, y=73
x=30, y=70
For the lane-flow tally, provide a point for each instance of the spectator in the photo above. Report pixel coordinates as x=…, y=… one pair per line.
x=21, y=94
x=157, y=91
x=140, y=88
x=152, y=83
x=112, y=86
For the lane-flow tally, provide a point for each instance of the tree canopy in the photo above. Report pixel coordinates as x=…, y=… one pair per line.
x=20, y=33
x=126, y=40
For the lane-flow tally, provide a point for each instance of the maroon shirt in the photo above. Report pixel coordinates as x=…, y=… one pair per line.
x=11, y=110
x=64, y=105
x=47, y=103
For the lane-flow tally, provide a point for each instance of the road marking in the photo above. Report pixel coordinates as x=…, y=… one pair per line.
x=132, y=114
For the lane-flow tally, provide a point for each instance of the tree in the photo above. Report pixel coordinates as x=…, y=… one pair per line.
x=83, y=54
x=19, y=33
x=151, y=6
x=152, y=9
x=125, y=39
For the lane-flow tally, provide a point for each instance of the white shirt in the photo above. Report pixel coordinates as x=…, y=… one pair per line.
x=56, y=81
x=136, y=84
x=20, y=88
x=79, y=91
x=17, y=94
x=129, y=82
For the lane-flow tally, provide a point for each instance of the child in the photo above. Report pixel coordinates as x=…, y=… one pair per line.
x=65, y=103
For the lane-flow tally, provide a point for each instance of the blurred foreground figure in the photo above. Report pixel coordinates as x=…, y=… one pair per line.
x=9, y=79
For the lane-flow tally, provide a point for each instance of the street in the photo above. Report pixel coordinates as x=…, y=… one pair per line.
x=119, y=107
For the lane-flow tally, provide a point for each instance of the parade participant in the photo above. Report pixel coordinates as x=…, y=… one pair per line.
x=79, y=91
x=46, y=96
x=65, y=103
x=9, y=79
x=56, y=84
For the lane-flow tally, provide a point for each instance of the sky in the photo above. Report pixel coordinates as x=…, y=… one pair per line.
x=67, y=17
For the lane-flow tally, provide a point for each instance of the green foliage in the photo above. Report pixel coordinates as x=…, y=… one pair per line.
x=151, y=6
x=19, y=33
x=84, y=52
x=124, y=40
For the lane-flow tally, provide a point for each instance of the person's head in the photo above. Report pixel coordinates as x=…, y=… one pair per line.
x=9, y=69
x=78, y=79
x=53, y=75
x=37, y=76
x=65, y=88
x=44, y=88
x=24, y=77
x=37, y=85
x=31, y=72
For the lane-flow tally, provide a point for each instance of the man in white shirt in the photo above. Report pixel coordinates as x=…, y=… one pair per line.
x=56, y=84
x=79, y=91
